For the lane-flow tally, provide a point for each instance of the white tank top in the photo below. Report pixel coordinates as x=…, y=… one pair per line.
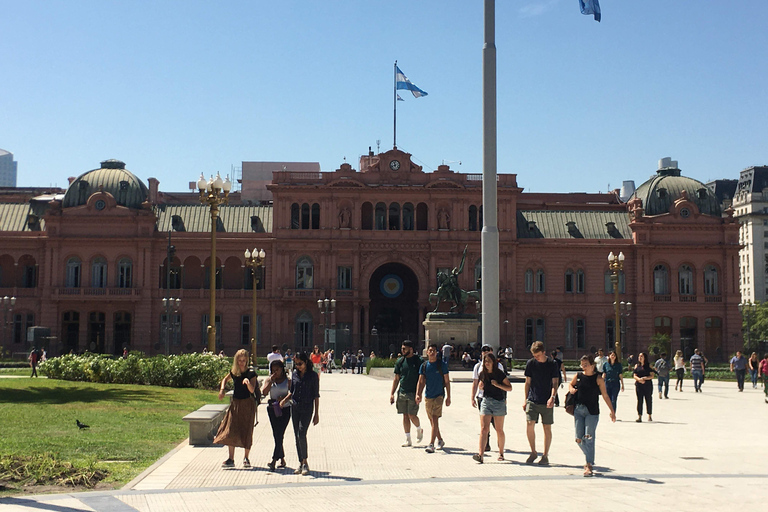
x=279, y=391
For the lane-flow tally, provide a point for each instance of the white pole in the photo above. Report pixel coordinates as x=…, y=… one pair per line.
x=490, y=234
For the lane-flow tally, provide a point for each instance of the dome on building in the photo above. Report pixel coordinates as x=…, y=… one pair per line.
x=112, y=177
x=661, y=191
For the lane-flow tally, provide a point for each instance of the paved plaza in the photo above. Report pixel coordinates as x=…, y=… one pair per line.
x=702, y=450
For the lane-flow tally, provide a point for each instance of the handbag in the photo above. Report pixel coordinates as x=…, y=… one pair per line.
x=570, y=398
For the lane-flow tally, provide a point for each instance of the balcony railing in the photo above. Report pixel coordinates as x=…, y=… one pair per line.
x=662, y=298
x=713, y=298
x=97, y=292
x=687, y=298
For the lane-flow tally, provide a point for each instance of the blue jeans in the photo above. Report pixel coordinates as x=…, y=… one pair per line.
x=740, y=374
x=753, y=375
x=302, y=418
x=698, y=378
x=586, y=424
x=664, y=381
x=613, y=387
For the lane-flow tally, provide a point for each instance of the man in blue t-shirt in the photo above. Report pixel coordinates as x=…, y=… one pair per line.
x=739, y=365
x=433, y=375
x=541, y=381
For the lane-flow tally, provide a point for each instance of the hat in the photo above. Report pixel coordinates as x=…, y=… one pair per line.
x=486, y=347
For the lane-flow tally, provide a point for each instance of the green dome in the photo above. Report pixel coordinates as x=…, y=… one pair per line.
x=661, y=191
x=125, y=187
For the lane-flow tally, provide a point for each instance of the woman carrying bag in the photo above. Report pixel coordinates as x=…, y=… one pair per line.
x=236, y=429
x=277, y=387
x=588, y=386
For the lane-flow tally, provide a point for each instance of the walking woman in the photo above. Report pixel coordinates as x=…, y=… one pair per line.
x=753, y=365
x=277, y=386
x=679, y=369
x=763, y=370
x=613, y=375
x=643, y=386
x=495, y=386
x=588, y=386
x=236, y=429
x=304, y=396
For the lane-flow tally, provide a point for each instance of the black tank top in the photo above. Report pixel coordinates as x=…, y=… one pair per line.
x=588, y=392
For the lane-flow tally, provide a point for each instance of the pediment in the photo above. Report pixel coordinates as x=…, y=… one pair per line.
x=444, y=184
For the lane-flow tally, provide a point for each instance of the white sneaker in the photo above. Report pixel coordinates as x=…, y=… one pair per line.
x=419, y=434
x=407, y=443
x=430, y=449
x=440, y=444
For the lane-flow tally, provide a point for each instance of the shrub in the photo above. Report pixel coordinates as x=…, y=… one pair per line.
x=180, y=371
x=379, y=362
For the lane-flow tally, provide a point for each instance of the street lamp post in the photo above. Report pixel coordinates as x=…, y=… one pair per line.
x=327, y=307
x=167, y=301
x=171, y=306
x=616, y=264
x=8, y=304
x=254, y=260
x=214, y=192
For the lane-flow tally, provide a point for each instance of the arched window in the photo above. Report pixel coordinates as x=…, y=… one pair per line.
x=295, y=214
x=305, y=216
x=660, y=280
x=99, y=273
x=366, y=216
x=394, y=216
x=381, y=216
x=422, y=217
x=73, y=276
x=304, y=271
x=685, y=280
x=569, y=281
x=540, y=281
x=125, y=273
x=303, y=330
x=315, y=216
x=575, y=332
x=711, y=286
x=580, y=281
x=535, y=330
x=408, y=217
x=529, y=281
x=473, y=218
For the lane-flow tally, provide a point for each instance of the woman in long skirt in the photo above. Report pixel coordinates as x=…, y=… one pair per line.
x=236, y=430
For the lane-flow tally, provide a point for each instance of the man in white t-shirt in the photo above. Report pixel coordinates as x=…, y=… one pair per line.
x=600, y=360
x=274, y=355
x=477, y=393
x=446, y=350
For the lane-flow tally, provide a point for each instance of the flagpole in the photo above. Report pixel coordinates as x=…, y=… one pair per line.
x=394, y=124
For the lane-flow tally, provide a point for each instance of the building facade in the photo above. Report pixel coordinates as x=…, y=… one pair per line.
x=95, y=263
x=8, y=169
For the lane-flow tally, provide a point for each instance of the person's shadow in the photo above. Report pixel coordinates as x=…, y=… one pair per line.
x=288, y=471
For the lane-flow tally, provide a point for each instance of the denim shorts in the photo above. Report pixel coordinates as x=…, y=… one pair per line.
x=493, y=407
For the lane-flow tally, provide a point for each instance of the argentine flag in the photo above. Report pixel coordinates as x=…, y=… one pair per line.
x=590, y=7
x=403, y=83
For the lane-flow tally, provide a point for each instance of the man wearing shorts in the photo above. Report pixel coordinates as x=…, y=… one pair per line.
x=407, y=375
x=541, y=381
x=433, y=375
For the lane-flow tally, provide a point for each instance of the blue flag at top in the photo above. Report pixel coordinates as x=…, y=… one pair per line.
x=403, y=83
x=590, y=7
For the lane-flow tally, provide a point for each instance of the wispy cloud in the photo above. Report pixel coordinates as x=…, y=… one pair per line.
x=537, y=8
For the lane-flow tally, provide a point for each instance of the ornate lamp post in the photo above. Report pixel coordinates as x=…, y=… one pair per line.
x=254, y=260
x=616, y=264
x=8, y=304
x=327, y=307
x=214, y=192
x=171, y=305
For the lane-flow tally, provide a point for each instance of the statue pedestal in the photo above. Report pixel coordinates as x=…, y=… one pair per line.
x=452, y=328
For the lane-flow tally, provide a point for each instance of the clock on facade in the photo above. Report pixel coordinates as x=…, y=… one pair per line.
x=100, y=204
x=394, y=165
x=685, y=213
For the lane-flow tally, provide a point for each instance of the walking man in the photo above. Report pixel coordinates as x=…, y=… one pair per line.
x=433, y=375
x=739, y=365
x=662, y=373
x=600, y=360
x=275, y=355
x=541, y=381
x=407, y=375
x=446, y=353
x=697, y=370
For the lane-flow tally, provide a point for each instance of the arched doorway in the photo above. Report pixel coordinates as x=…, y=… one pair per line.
x=394, y=310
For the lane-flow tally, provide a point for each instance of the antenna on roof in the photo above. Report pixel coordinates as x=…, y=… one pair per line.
x=378, y=146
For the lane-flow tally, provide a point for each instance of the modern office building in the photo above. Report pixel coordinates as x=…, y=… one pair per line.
x=751, y=209
x=8, y=169
x=92, y=264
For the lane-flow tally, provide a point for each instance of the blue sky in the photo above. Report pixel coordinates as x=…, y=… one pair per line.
x=175, y=88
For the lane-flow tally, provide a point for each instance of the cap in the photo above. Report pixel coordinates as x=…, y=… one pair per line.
x=486, y=347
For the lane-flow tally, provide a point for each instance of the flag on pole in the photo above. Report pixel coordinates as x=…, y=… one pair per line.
x=590, y=7
x=399, y=98
x=403, y=83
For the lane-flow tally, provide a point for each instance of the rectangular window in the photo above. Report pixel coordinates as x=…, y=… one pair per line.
x=540, y=282
x=569, y=333
x=534, y=330
x=345, y=278
x=21, y=323
x=581, y=333
x=173, y=331
x=205, y=330
x=29, y=276
x=246, y=332
x=610, y=333
x=580, y=282
x=528, y=281
x=569, y=282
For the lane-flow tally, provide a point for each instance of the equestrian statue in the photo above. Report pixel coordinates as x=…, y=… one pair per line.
x=448, y=288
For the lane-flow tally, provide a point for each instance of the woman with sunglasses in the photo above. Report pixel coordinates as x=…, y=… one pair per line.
x=277, y=386
x=304, y=395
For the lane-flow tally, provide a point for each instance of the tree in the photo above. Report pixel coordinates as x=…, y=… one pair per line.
x=659, y=343
x=754, y=324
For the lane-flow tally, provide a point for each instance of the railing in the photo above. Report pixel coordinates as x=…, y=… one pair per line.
x=301, y=293
x=662, y=298
x=713, y=298
x=97, y=292
x=687, y=298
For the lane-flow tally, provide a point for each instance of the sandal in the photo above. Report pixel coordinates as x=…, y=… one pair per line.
x=588, y=470
x=477, y=458
x=501, y=458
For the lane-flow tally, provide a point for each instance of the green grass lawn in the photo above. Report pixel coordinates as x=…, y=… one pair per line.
x=130, y=426
x=26, y=372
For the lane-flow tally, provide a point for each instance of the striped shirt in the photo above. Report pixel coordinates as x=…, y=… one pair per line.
x=697, y=363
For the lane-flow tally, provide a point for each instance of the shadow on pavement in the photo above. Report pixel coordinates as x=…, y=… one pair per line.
x=32, y=504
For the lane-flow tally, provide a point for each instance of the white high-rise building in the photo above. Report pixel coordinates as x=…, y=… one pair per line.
x=8, y=168
x=751, y=209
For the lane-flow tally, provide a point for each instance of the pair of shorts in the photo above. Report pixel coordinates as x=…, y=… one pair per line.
x=533, y=411
x=406, y=404
x=493, y=407
x=434, y=406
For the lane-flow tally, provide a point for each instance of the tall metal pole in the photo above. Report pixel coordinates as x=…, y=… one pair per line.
x=489, y=237
x=169, y=257
x=394, y=98
x=212, y=313
x=255, y=337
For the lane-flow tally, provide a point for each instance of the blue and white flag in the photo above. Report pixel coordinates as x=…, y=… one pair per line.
x=399, y=98
x=403, y=83
x=590, y=7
